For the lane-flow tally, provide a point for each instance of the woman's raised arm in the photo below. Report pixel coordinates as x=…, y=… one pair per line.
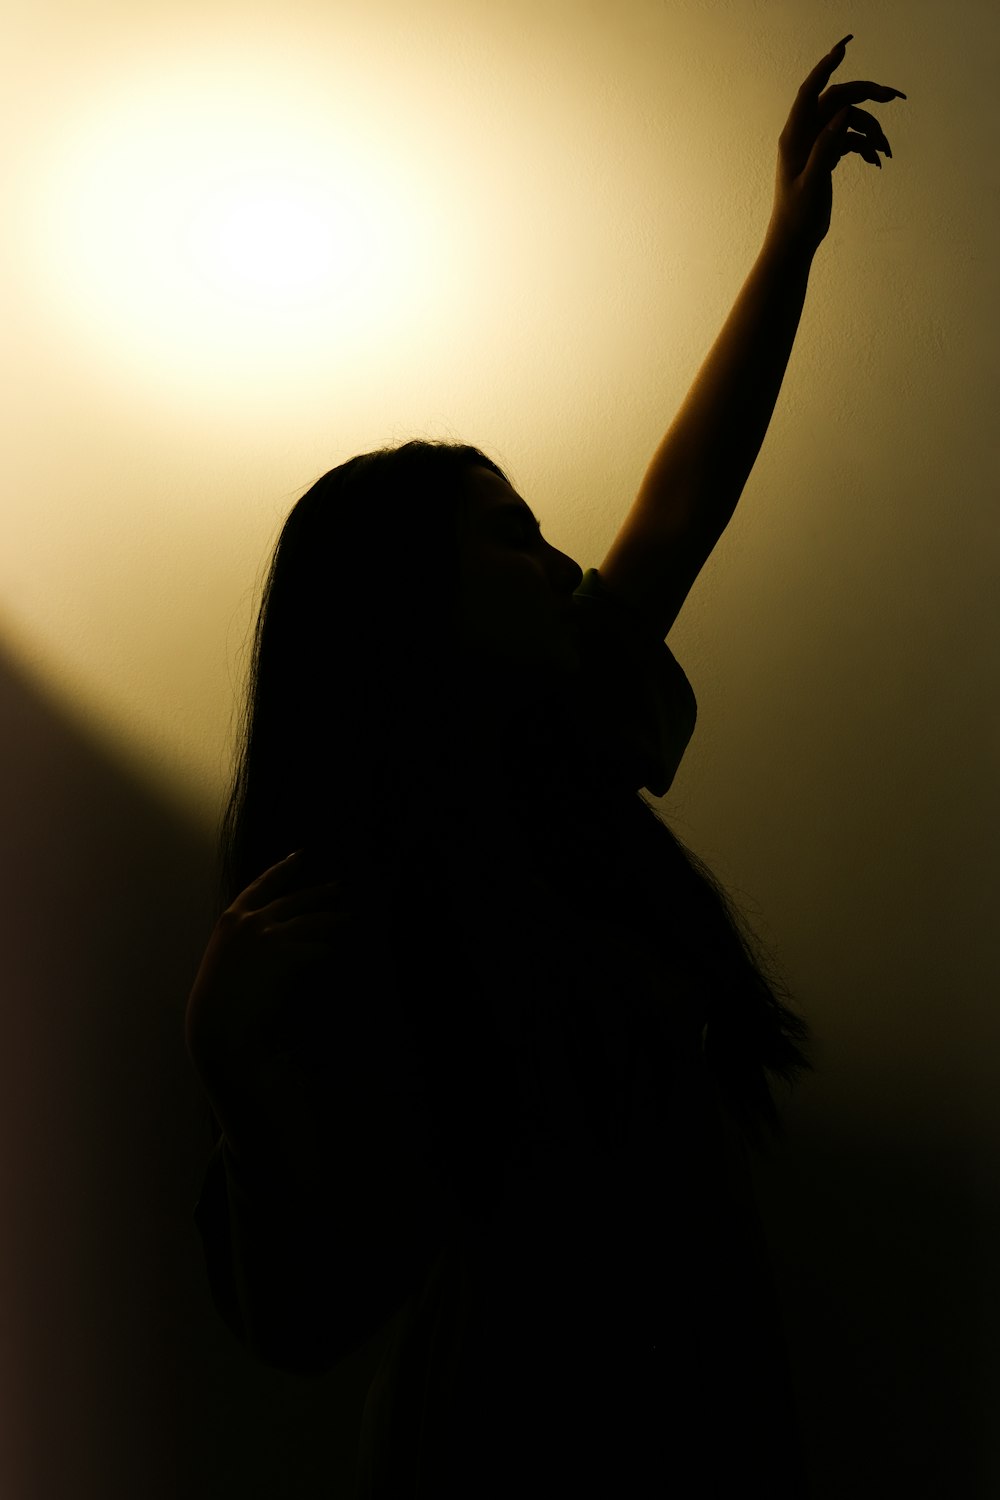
x=698, y=472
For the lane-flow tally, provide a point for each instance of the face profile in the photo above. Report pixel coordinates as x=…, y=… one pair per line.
x=515, y=588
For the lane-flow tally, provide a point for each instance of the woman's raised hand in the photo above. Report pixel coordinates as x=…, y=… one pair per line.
x=821, y=128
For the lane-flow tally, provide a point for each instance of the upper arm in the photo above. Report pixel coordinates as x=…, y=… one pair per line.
x=651, y=567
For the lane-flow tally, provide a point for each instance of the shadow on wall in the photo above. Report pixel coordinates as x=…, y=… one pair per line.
x=118, y=1380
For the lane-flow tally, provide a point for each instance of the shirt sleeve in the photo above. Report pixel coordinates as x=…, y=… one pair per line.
x=644, y=708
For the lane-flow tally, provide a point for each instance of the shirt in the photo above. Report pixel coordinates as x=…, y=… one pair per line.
x=602, y=1315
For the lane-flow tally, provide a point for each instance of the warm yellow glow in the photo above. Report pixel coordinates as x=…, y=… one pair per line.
x=248, y=251
x=194, y=221
x=279, y=240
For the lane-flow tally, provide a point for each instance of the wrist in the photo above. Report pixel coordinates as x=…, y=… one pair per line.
x=789, y=250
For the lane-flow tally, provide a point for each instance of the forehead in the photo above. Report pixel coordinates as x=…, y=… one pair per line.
x=486, y=492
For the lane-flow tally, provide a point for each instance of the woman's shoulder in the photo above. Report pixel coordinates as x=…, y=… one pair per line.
x=641, y=705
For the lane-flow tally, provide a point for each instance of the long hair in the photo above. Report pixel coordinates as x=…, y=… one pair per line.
x=352, y=671
x=351, y=699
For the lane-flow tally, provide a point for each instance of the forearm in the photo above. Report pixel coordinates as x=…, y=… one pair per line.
x=330, y=1215
x=700, y=468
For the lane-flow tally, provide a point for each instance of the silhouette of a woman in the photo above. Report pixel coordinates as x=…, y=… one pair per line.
x=486, y=1050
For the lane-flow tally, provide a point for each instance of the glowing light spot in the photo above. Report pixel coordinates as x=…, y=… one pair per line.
x=211, y=232
x=272, y=241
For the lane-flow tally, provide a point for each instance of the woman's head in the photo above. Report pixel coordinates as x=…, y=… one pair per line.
x=400, y=580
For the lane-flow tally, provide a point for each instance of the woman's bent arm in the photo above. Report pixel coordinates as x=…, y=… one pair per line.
x=329, y=1227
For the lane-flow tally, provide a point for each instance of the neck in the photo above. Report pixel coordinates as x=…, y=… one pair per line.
x=521, y=742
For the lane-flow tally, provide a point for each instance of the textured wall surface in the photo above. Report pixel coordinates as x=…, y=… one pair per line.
x=553, y=207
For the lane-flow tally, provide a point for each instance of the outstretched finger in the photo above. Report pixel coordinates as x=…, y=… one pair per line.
x=861, y=146
x=834, y=142
x=871, y=128
x=801, y=123
x=841, y=94
x=817, y=79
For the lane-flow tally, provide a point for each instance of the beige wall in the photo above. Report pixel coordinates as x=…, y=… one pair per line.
x=553, y=207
